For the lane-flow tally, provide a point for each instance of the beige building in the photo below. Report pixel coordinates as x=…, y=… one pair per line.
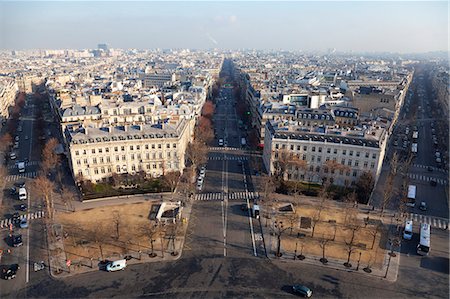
x=352, y=152
x=97, y=153
x=8, y=93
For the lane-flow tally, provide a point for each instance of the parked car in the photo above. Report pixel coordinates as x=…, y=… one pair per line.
x=302, y=290
x=116, y=265
x=22, y=207
x=430, y=169
x=9, y=272
x=23, y=223
x=17, y=240
x=433, y=183
x=423, y=206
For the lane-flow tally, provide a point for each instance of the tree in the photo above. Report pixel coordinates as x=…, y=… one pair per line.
x=49, y=157
x=268, y=187
x=170, y=179
x=281, y=162
x=374, y=233
x=364, y=186
x=278, y=229
x=323, y=243
x=353, y=226
x=67, y=196
x=387, y=192
x=293, y=219
x=99, y=235
x=44, y=187
x=150, y=231
x=204, y=130
x=197, y=154
x=208, y=109
x=5, y=142
x=117, y=221
x=323, y=196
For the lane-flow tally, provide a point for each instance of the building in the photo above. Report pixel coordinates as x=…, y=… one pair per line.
x=8, y=93
x=98, y=153
x=340, y=155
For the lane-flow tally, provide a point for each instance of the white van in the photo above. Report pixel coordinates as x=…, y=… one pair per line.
x=116, y=265
x=22, y=194
x=408, y=232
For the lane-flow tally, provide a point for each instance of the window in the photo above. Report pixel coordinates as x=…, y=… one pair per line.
x=132, y=157
x=349, y=163
x=101, y=160
x=168, y=154
x=109, y=169
x=77, y=153
x=328, y=150
x=118, y=168
x=147, y=156
x=319, y=158
x=351, y=153
x=374, y=156
x=122, y=148
x=174, y=145
x=304, y=157
x=160, y=155
x=298, y=147
x=341, y=172
x=277, y=146
x=93, y=150
x=84, y=152
x=148, y=166
x=357, y=154
x=116, y=149
x=365, y=164
x=313, y=148
x=372, y=165
x=154, y=165
x=146, y=146
x=367, y=154
x=343, y=161
x=138, y=147
x=100, y=150
x=123, y=157
x=131, y=148
x=117, y=158
x=108, y=159
x=85, y=161
x=78, y=162
x=317, y=169
x=95, y=170
x=356, y=163
x=153, y=146
x=320, y=149
x=94, y=160
x=139, y=156
x=133, y=167
x=327, y=159
x=344, y=152
x=354, y=172
x=313, y=158
x=103, y=169
x=347, y=173
x=168, y=145
x=107, y=149
x=159, y=145
x=153, y=156
x=292, y=147
x=305, y=148
x=335, y=151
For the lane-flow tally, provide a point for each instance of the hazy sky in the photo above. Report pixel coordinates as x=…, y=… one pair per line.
x=356, y=25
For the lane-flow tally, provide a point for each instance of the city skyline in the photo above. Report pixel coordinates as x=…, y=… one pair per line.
x=308, y=26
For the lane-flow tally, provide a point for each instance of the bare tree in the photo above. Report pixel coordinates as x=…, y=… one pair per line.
x=353, y=226
x=278, y=229
x=99, y=235
x=364, y=186
x=323, y=196
x=374, y=233
x=49, y=157
x=387, y=192
x=323, y=242
x=5, y=142
x=197, y=154
x=67, y=196
x=150, y=231
x=117, y=221
x=281, y=162
x=170, y=179
x=293, y=219
x=44, y=187
x=268, y=187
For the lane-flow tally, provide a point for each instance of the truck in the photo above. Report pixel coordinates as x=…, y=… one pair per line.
x=21, y=166
x=243, y=141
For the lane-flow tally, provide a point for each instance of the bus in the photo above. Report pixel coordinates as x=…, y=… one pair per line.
x=411, y=196
x=424, y=246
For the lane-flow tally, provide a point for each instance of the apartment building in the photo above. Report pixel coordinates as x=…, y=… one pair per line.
x=98, y=153
x=8, y=93
x=340, y=155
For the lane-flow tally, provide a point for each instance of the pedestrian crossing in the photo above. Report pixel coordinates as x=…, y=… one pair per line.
x=35, y=215
x=231, y=196
x=15, y=177
x=31, y=163
x=425, y=178
x=226, y=148
x=230, y=158
x=436, y=222
x=426, y=167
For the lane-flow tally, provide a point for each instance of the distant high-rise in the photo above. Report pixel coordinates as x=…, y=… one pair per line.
x=103, y=47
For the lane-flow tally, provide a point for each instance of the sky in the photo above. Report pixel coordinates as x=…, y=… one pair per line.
x=359, y=26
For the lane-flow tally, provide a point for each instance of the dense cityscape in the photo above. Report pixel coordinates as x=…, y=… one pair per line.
x=223, y=173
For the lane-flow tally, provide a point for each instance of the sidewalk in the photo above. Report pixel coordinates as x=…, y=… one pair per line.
x=364, y=211
x=59, y=268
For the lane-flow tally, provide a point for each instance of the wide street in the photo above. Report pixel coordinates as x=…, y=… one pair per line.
x=223, y=255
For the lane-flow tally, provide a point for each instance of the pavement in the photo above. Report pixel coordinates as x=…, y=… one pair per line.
x=58, y=263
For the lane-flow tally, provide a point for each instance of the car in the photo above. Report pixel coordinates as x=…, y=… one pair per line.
x=244, y=207
x=302, y=290
x=20, y=184
x=220, y=142
x=17, y=138
x=26, y=137
x=430, y=169
x=199, y=186
x=23, y=223
x=22, y=207
x=13, y=156
x=19, y=129
x=433, y=182
x=9, y=272
x=423, y=206
x=17, y=240
x=240, y=163
x=12, y=191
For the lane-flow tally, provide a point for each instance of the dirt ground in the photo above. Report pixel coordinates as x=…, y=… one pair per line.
x=333, y=230
x=95, y=234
